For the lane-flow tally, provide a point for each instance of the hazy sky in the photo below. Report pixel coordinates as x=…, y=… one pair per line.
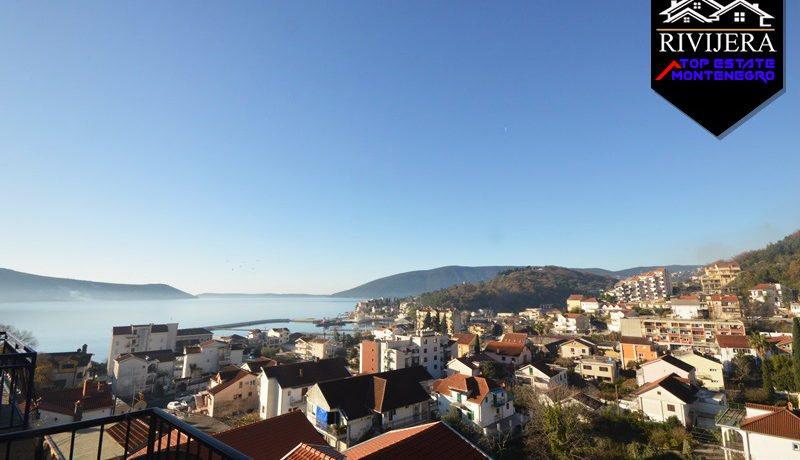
x=311, y=146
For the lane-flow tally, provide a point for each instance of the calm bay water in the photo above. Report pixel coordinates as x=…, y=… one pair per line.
x=65, y=326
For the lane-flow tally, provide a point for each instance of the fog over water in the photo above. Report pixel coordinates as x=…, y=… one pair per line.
x=65, y=326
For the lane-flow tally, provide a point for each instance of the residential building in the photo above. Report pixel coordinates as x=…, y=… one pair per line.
x=508, y=352
x=315, y=348
x=346, y=410
x=768, y=293
x=467, y=344
x=141, y=337
x=280, y=333
x=673, y=333
x=191, y=336
x=636, y=350
x=541, y=376
x=467, y=365
x=532, y=314
x=425, y=348
x=142, y=372
x=574, y=302
x=257, y=364
x=658, y=368
x=724, y=307
x=89, y=401
x=451, y=315
x=386, y=333
x=731, y=345
x=483, y=403
x=708, y=370
x=67, y=369
x=760, y=432
x=514, y=337
x=716, y=278
x=598, y=368
x=590, y=306
x=648, y=286
x=672, y=396
x=283, y=388
x=432, y=441
x=577, y=348
x=688, y=307
x=571, y=323
x=207, y=358
x=231, y=391
x=615, y=318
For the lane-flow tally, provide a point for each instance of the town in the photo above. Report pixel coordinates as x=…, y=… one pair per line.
x=660, y=364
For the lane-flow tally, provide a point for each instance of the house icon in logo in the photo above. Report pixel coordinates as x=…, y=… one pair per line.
x=738, y=13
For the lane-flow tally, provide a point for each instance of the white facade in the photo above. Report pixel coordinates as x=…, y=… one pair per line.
x=688, y=308
x=540, y=378
x=616, y=316
x=208, y=358
x=660, y=368
x=132, y=374
x=570, y=323
x=143, y=337
x=281, y=333
x=492, y=413
x=428, y=349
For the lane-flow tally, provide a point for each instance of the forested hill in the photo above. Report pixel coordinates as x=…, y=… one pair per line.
x=23, y=287
x=520, y=288
x=777, y=263
x=419, y=281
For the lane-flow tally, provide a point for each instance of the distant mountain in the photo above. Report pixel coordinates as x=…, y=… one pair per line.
x=777, y=263
x=216, y=295
x=23, y=287
x=519, y=288
x=416, y=282
x=628, y=272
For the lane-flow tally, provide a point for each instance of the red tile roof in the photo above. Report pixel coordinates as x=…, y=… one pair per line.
x=732, y=341
x=435, y=441
x=781, y=423
x=92, y=396
x=514, y=337
x=575, y=297
x=505, y=348
x=572, y=315
x=476, y=388
x=465, y=339
x=314, y=452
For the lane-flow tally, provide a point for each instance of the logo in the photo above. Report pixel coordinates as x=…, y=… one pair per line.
x=717, y=62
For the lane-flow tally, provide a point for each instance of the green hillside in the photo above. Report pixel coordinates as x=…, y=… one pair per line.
x=520, y=288
x=777, y=263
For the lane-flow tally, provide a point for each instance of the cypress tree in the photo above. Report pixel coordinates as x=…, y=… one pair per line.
x=796, y=352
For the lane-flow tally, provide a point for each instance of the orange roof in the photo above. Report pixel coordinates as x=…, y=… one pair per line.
x=781, y=423
x=515, y=337
x=724, y=298
x=575, y=297
x=465, y=339
x=732, y=341
x=590, y=300
x=572, y=315
x=314, y=452
x=477, y=388
x=505, y=348
x=434, y=441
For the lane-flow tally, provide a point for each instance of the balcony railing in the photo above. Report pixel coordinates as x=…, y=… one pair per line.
x=146, y=434
x=17, y=367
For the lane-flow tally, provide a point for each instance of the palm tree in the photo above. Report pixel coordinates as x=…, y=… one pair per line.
x=759, y=343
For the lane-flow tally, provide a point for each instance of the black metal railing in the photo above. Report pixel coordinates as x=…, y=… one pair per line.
x=17, y=368
x=145, y=434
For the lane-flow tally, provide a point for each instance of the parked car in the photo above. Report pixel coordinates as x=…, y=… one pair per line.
x=177, y=405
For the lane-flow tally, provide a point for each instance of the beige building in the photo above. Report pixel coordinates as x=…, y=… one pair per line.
x=708, y=370
x=606, y=369
x=69, y=369
x=231, y=391
x=724, y=307
x=316, y=348
x=577, y=348
x=673, y=333
x=716, y=277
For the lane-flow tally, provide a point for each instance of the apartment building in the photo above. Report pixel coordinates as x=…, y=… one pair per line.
x=207, y=358
x=648, y=286
x=598, y=368
x=615, y=318
x=688, y=307
x=675, y=333
x=191, y=336
x=708, y=370
x=636, y=350
x=141, y=337
x=724, y=307
x=231, y=391
x=571, y=323
x=483, y=403
x=452, y=316
x=425, y=348
x=768, y=293
x=590, y=306
x=280, y=333
x=142, y=371
x=314, y=348
x=283, y=388
x=716, y=278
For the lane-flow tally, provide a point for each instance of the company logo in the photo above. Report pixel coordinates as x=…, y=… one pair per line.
x=717, y=62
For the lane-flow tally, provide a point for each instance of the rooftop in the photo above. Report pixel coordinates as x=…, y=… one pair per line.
x=434, y=441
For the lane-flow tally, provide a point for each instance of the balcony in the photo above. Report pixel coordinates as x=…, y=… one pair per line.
x=146, y=434
x=17, y=366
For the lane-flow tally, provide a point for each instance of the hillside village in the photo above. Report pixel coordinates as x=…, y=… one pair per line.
x=653, y=366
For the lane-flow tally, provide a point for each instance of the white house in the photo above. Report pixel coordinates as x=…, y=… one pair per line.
x=614, y=324
x=90, y=401
x=730, y=346
x=315, y=348
x=769, y=293
x=672, y=396
x=482, y=402
x=425, y=348
x=708, y=370
x=571, y=323
x=508, y=352
x=760, y=433
x=467, y=365
x=688, y=307
x=208, y=358
x=143, y=371
x=283, y=388
x=141, y=337
x=542, y=376
x=590, y=306
x=280, y=333
x=663, y=366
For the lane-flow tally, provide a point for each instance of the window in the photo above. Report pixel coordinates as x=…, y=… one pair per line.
x=587, y=367
x=697, y=5
x=670, y=408
x=796, y=446
x=687, y=19
x=738, y=16
x=603, y=369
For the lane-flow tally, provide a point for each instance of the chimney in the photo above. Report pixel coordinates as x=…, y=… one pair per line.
x=84, y=348
x=300, y=370
x=87, y=388
x=78, y=414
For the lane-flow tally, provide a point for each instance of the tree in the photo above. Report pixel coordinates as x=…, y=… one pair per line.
x=427, y=322
x=744, y=368
x=493, y=370
x=782, y=372
x=443, y=328
x=25, y=336
x=41, y=376
x=759, y=343
x=766, y=376
x=796, y=351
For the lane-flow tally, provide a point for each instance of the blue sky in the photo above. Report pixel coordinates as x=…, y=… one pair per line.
x=312, y=146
